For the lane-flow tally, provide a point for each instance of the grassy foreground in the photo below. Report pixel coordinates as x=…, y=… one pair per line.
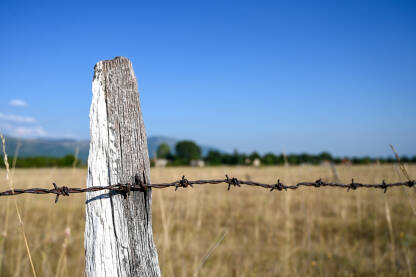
x=243, y=232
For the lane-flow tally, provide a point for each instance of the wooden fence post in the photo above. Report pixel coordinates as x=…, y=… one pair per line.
x=118, y=229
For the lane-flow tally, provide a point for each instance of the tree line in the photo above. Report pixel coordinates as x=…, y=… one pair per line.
x=187, y=150
x=43, y=161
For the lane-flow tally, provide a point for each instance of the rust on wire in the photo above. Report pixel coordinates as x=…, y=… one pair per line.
x=139, y=185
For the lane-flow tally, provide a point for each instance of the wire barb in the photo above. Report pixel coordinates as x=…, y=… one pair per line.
x=318, y=183
x=384, y=186
x=60, y=191
x=140, y=183
x=278, y=186
x=352, y=186
x=233, y=181
x=183, y=183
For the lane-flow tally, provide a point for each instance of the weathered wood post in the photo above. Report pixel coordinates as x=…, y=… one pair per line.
x=118, y=230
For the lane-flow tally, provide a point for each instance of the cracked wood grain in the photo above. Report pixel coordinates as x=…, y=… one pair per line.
x=118, y=230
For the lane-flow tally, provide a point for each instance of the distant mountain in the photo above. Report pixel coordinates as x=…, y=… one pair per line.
x=61, y=147
x=47, y=147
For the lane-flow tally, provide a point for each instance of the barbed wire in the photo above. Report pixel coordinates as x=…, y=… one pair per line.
x=138, y=185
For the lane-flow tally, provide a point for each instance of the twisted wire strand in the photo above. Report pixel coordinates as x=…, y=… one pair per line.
x=138, y=185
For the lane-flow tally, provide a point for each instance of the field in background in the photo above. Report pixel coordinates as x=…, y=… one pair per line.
x=242, y=232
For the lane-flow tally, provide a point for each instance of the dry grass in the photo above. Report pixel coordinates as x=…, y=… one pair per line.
x=245, y=232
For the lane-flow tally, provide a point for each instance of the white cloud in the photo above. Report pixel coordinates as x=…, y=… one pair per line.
x=22, y=131
x=36, y=131
x=20, y=126
x=17, y=103
x=17, y=118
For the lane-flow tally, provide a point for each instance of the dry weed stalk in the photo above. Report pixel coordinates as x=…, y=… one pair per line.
x=11, y=186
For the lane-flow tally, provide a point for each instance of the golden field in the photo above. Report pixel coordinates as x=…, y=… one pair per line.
x=209, y=231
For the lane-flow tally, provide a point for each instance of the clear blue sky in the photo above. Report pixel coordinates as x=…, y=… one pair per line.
x=296, y=76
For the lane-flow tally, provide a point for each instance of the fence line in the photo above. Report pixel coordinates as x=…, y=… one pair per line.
x=138, y=185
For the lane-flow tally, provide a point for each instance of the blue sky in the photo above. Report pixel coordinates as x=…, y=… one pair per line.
x=274, y=76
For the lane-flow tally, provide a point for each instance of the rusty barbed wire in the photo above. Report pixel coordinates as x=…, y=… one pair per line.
x=138, y=185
